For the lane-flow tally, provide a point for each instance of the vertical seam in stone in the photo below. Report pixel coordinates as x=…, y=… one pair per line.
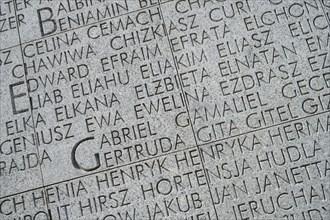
x=326, y=17
x=29, y=101
x=187, y=109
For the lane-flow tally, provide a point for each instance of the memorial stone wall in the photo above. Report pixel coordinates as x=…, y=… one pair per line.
x=164, y=109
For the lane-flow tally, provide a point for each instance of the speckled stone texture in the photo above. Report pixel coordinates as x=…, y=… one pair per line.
x=164, y=109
